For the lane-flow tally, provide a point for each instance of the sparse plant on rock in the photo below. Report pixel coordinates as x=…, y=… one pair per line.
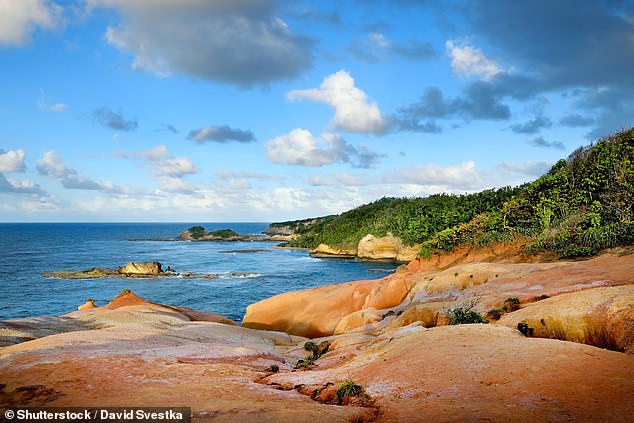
x=466, y=314
x=525, y=329
x=347, y=389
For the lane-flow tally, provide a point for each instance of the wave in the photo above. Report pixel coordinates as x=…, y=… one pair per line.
x=240, y=275
x=308, y=258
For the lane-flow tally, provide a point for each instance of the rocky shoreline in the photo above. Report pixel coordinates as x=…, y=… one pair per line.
x=558, y=343
x=151, y=269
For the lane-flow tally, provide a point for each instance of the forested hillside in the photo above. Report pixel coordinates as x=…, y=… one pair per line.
x=583, y=204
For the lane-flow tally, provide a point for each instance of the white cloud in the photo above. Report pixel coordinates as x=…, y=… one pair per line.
x=52, y=165
x=341, y=178
x=529, y=167
x=176, y=167
x=463, y=176
x=168, y=170
x=19, y=18
x=239, y=42
x=43, y=104
x=470, y=61
x=379, y=40
x=12, y=161
x=299, y=147
x=353, y=111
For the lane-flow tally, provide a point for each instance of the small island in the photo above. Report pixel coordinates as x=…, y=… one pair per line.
x=198, y=233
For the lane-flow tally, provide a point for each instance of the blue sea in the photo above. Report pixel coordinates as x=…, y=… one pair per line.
x=28, y=249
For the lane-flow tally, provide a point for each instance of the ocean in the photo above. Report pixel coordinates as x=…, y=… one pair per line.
x=28, y=249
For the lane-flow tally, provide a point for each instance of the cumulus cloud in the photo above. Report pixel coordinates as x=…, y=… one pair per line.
x=376, y=47
x=353, y=110
x=220, y=134
x=470, y=61
x=19, y=19
x=168, y=170
x=52, y=165
x=176, y=167
x=19, y=186
x=479, y=101
x=114, y=120
x=12, y=161
x=463, y=176
x=543, y=39
x=300, y=147
x=532, y=126
x=529, y=167
x=341, y=178
x=575, y=120
x=239, y=42
x=541, y=142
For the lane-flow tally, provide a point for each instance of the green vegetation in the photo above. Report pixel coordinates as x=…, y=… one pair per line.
x=316, y=351
x=466, y=314
x=510, y=304
x=297, y=226
x=274, y=368
x=224, y=233
x=124, y=292
x=348, y=389
x=525, y=329
x=582, y=205
x=198, y=232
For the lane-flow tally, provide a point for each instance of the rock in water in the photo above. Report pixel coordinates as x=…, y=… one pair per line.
x=149, y=268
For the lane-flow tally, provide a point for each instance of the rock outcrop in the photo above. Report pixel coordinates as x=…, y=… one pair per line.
x=323, y=250
x=319, y=311
x=602, y=317
x=370, y=247
x=225, y=235
x=135, y=353
x=153, y=268
x=387, y=247
x=89, y=304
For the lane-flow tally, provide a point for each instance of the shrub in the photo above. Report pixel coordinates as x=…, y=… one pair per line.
x=125, y=292
x=524, y=328
x=310, y=346
x=224, y=233
x=316, y=351
x=347, y=389
x=495, y=314
x=512, y=304
x=197, y=231
x=274, y=368
x=465, y=314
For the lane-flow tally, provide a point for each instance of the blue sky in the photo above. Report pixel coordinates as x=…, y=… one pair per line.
x=257, y=110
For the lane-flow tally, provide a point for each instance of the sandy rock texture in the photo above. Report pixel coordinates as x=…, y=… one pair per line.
x=136, y=353
x=386, y=247
x=598, y=316
x=318, y=312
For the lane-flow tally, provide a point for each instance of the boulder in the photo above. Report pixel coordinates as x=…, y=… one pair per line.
x=149, y=268
x=327, y=250
x=387, y=247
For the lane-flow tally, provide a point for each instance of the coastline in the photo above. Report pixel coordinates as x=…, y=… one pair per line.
x=393, y=325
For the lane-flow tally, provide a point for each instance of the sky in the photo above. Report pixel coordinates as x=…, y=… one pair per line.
x=262, y=110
